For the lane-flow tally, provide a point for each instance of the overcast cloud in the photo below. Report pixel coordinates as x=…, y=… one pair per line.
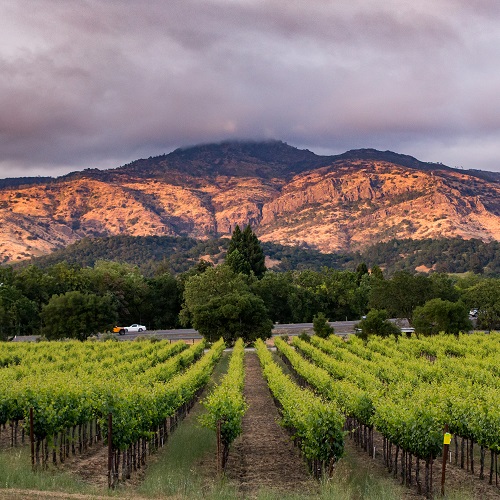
x=99, y=83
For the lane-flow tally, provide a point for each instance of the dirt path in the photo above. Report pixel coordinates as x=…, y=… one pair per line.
x=264, y=457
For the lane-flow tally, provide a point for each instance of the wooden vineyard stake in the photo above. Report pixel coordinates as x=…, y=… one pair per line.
x=219, y=449
x=110, y=450
x=32, y=439
x=446, y=445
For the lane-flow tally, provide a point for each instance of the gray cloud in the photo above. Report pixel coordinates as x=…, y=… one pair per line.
x=99, y=83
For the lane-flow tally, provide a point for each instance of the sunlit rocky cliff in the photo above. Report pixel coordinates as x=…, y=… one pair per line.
x=289, y=196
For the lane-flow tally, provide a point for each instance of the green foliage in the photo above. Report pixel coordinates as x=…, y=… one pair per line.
x=376, y=272
x=226, y=403
x=18, y=314
x=304, y=336
x=439, y=315
x=377, y=323
x=321, y=326
x=374, y=385
x=162, y=303
x=146, y=252
x=401, y=294
x=219, y=303
x=245, y=255
x=237, y=262
x=453, y=255
x=70, y=383
x=335, y=293
x=317, y=424
x=280, y=296
x=125, y=283
x=289, y=297
x=484, y=295
x=361, y=270
x=78, y=315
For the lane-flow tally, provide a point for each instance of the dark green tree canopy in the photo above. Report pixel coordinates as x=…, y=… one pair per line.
x=78, y=315
x=321, y=326
x=245, y=255
x=361, y=270
x=376, y=272
x=400, y=295
x=439, y=315
x=219, y=303
x=377, y=323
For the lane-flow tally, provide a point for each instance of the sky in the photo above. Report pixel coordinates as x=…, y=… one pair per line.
x=100, y=83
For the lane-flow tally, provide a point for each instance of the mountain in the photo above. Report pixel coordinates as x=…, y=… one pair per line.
x=289, y=196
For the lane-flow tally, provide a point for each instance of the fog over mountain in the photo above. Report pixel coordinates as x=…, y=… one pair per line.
x=96, y=83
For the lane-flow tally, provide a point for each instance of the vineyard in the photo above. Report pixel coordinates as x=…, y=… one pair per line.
x=74, y=395
x=391, y=399
x=408, y=391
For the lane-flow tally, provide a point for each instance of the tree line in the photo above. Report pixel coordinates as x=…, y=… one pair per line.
x=453, y=255
x=237, y=298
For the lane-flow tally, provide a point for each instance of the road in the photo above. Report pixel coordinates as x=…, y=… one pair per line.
x=341, y=327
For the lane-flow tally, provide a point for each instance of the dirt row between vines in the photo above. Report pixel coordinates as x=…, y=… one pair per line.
x=264, y=457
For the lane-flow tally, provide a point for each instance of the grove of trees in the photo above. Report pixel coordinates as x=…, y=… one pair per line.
x=237, y=298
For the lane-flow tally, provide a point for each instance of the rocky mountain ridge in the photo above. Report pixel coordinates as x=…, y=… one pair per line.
x=289, y=196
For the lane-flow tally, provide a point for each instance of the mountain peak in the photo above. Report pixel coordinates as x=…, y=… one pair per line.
x=370, y=154
x=266, y=159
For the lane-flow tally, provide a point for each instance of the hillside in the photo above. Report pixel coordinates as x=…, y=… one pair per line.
x=178, y=254
x=342, y=203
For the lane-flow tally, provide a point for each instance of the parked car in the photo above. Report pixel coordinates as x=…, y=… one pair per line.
x=135, y=328
x=122, y=330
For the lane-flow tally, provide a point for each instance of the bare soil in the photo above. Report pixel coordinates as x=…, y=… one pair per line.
x=264, y=457
x=91, y=465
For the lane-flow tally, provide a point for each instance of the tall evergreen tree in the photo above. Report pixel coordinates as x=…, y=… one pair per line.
x=361, y=270
x=236, y=242
x=245, y=255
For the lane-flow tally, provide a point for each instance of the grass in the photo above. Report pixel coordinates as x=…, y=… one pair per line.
x=15, y=464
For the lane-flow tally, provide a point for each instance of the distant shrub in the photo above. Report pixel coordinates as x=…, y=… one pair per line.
x=304, y=336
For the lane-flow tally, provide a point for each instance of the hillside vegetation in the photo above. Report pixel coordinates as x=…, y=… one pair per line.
x=181, y=253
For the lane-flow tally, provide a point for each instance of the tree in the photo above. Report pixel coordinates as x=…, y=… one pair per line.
x=376, y=272
x=219, y=303
x=321, y=326
x=336, y=293
x=443, y=287
x=377, y=323
x=279, y=295
x=78, y=315
x=125, y=283
x=400, y=295
x=484, y=295
x=361, y=270
x=18, y=314
x=439, y=315
x=163, y=302
x=245, y=255
x=238, y=263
